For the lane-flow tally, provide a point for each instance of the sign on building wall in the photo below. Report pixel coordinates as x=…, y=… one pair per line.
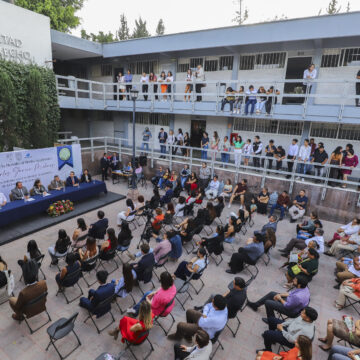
x=43, y=164
x=24, y=36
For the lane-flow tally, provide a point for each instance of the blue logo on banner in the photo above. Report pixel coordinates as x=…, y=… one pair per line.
x=65, y=156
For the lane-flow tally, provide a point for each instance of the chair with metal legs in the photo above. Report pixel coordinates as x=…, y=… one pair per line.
x=73, y=279
x=156, y=318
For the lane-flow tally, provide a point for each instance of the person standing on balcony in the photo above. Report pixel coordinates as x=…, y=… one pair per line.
x=162, y=140
x=238, y=145
x=279, y=156
x=200, y=76
x=336, y=158
x=189, y=86
x=357, y=89
x=145, y=87
x=204, y=145
x=261, y=100
x=163, y=86
x=146, y=138
x=169, y=79
x=247, y=150
x=171, y=140
x=304, y=157
x=214, y=145
x=153, y=87
x=320, y=158
x=128, y=79
x=257, y=150
x=309, y=75
x=239, y=100
x=351, y=160
x=121, y=80
x=250, y=100
x=270, y=99
x=292, y=154
x=269, y=152
x=225, y=150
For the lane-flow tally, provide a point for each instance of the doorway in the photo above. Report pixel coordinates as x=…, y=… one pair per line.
x=197, y=128
x=295, y=70
x=116, y=72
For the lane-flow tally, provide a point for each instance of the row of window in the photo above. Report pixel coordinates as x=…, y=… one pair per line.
x=152, y=119
x=318, y=130
x=341, y=57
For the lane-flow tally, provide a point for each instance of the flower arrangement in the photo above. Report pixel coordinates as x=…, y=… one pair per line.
x=60, y=207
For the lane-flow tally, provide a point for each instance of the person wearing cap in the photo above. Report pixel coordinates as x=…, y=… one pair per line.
x=235, y=297
x=212, y=319
x=286, y=332
x=289, y=303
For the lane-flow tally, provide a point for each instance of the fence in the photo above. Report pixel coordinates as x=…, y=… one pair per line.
x=235, y=165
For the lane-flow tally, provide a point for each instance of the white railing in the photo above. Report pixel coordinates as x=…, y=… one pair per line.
x=321, y=92
x=215, y=162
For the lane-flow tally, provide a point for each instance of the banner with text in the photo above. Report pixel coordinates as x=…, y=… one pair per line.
x=43, y=164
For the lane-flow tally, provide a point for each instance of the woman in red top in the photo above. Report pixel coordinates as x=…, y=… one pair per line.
x=301, y=351
x=133, y=330
x=110, y=244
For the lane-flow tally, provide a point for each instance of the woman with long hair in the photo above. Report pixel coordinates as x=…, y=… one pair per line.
x=214, y=145
x=109, y=244
x=126, y=283
x=79, y=235
x=189, y=85
x=90, y=251
x=351, y=160
x=127, y=215
x=133, y=330
x=185, y=149
x=169, y=79
x=124, y=237
x=301, y=351
x=191, y=183
x=204, y=144
x=153, y=87
x=163, y=86
x=61, y=246
x=335, y=159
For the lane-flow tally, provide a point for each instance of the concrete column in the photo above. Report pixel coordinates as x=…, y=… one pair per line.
x=306, y=132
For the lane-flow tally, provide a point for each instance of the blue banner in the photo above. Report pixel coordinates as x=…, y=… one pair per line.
x=65, y=156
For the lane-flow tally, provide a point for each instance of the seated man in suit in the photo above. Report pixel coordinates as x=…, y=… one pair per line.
x=56, y=184
x=169, y=193
x=20, y=192
x=72, y=180
x=85, y=177
x=95, y=297
x=147, y=260
x=98, y=229
x=33, y=289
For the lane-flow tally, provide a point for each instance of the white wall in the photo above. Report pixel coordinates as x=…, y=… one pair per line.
x=24, y=35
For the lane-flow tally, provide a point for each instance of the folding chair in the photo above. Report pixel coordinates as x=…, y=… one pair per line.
x=39, y=261
x=117, y=296
x=234, y=332
x=265, y=257
x=129, y=345
x=214, y=257
x=162, y=265
x=111, y=258
x=120, y=252
x=352, y=303
x=156, y=318
x=61, y=328
x=71, y=277
x=197, y=277
x=98, y=307
x=192, y=235
x=207, y=227
x=148, y=271
x=134, y=221
x=182, y=287
x=33, y=303
x=59, y=257
x=254, y=273
x=215, y=340
x=88, y=266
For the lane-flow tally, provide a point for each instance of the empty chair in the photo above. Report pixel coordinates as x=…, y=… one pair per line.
x=215, y=340
x=61, y=328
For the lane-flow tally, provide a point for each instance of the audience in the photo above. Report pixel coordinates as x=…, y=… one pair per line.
x=338, y=352
x=124, y=237
x=213, y=188
x=126, y=283
x=194, y=266
x=347, y=243
x=72, y=266
x=127, y=215
x=98, y=229
x=349, y=288
x=239, y=191
x=147, y=261
x=281, y=204
x=345, y=231
x=347, y=271
x=109, y=245
x=298, y=209
x=79, y=235
x=61, y=247
x=88, y=253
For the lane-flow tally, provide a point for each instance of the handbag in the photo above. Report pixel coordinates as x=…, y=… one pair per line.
x=295, y=269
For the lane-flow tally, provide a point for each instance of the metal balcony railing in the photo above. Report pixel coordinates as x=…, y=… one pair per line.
x=233, y=167
x=339, y=94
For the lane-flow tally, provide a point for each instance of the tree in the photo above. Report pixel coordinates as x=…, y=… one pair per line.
x=8, y=113
x=242, y=15
x=37, y=109
x=140, y=30
x=333, y=7
x=101, y=37
x=124, y=32
x=348, y=7
x=160, y=29
x=61, y=12
x=85, y=35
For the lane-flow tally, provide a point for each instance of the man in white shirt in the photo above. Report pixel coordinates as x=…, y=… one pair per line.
x=345, y=231
x=304, y=157
x=212, y=319
x=2, y=199
x=345, y=272
x=212, y=191
x=200, y=76
x=347, y=243
x=292, y=154
x=309, y=75
x=319, y=239
x=145, y=81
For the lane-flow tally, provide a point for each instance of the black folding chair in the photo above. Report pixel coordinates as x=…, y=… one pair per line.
x=39, y=261
x=116, y=297
x=61, y=328
x=110, y=257
x=75, y=276
x=120, y=252
x=33, y=303
x=236, y=317
x=207, y=228
x=198, y=277
x=88, y=266
x=102, y=304
x=215, y=340
x=147, y=272
x=182, y=287
x=351, y=303
x=192, y=235
x=161, y=264
x=132, y=222
x=59, y=257
x=156, y=318
x=130, y=345
x=253, y=271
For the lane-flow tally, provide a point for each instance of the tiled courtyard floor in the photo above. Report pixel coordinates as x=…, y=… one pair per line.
x=17, y=343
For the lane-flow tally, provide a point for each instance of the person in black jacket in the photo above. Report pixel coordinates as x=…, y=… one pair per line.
x=124, y=237
x=214, y=244
x=98, y=229
x=104, y=166
x=147, y=261
x=61, y=246
x=85, y=177
x=162, y=140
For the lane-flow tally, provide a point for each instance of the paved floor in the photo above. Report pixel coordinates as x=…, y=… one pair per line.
x=17, y=343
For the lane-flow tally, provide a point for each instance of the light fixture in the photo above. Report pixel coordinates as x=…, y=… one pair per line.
x=134, y=94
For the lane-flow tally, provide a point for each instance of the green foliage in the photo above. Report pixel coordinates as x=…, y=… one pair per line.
x=26, y=103
x=242, y=15
x=124, y=32
x=61, y=12
x=160, y=29
x=101, y=37
x=8, y=113
x=333, y=7
x=140, y=30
